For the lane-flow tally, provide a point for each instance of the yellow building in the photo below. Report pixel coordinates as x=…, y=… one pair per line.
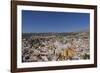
x=68, y=52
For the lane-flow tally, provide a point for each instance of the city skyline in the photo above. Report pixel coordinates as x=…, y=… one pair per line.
x=44, y=21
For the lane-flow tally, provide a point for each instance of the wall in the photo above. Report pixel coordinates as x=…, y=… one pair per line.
x=5, y=36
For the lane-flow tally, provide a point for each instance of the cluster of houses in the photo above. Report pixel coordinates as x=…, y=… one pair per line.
x=56, y=48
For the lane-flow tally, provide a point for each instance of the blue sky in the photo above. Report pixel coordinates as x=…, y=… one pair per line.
x=44, y=21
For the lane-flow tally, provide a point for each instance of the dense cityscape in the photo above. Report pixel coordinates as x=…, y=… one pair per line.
x=43, y=47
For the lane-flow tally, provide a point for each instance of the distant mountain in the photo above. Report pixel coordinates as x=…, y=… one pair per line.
x=27, y=35
x=84, y=30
